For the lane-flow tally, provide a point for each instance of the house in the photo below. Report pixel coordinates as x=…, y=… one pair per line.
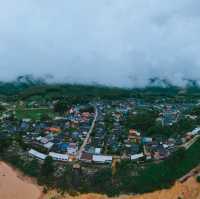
x=58, y=156
x=37, y=154
x=137, y=156
x=97, y=151
x=196, y=130
x=53, y=129
x=24, y=125
x=170, y=117
x=102, y=159
x=171, y=142
x=146, y=140
x=86, y=114
x=48, y=145
x=159, y=152
x=90, y=149
x=63, y=147
x=58, y=118
x=192, y=117
x=72, y=148
x=86, y=157
x=44, y=140
x=133, y=132
x=134, y=135
x=26, y=120
x=75, y=134
x=38, y=138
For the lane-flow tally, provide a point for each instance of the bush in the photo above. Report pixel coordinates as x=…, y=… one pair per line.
x=45, y=190
x=198, y=179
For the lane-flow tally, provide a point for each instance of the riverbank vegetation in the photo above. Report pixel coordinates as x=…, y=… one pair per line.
x=129, y=177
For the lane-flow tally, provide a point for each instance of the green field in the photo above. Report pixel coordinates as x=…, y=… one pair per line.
x=34, y=114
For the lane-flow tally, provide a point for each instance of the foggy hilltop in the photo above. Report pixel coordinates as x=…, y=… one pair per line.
x=30, y=80
x=108, y=42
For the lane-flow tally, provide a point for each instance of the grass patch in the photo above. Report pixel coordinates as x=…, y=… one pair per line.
x=34, y=114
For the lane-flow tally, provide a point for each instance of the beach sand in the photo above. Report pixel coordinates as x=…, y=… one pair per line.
x=13, y=185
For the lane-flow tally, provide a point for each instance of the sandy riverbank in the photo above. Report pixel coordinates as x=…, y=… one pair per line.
x=13, y=185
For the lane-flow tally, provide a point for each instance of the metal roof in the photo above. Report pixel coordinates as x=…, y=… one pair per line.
x=58, y=156
x=102, y=158
x=37, y=154
x=137, y=156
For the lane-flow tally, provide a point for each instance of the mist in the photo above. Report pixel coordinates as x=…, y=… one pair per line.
x=112, y=42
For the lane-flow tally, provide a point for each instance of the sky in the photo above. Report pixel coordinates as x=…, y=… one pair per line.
x=113, y=42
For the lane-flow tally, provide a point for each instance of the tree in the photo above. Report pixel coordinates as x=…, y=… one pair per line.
x=65, y=181
x=4, y=143
x=89, y=109
x=102, y=181
x=2, y=108
x=158, y=129
x=61, y=106
x=176, y=158
x=198, y=179
x=142, y=121
x=32, y=168
x=184, y=125
x=45, y=117
x=48, y=167
x=19, y=139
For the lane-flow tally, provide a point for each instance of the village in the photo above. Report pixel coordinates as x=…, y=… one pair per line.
x=96, y=133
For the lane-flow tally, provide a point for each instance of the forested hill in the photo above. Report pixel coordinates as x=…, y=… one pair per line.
x=26, y=87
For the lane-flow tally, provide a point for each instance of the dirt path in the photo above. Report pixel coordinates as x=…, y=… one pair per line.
x=88, y=135
x=13, y=185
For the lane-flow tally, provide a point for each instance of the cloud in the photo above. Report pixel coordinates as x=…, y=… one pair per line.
x=112, y=42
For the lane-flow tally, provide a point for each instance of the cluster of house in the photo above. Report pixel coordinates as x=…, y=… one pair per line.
x=135, y=146
x=66, y=135
x=94, y=148
x=105, y=145
x=62, y=137
x=169, y=115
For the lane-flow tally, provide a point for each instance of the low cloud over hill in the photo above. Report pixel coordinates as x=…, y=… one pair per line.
x=112, y=42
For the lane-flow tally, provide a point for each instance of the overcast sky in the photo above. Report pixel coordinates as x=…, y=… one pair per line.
x=113, y=42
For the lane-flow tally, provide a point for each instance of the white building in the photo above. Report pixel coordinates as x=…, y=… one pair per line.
x=48, y=145
x=97, y=151
x=37, y=154
x=58, y=156
x=196, y=130
x=137, y=156
x=26, y=120
x=102, y=158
